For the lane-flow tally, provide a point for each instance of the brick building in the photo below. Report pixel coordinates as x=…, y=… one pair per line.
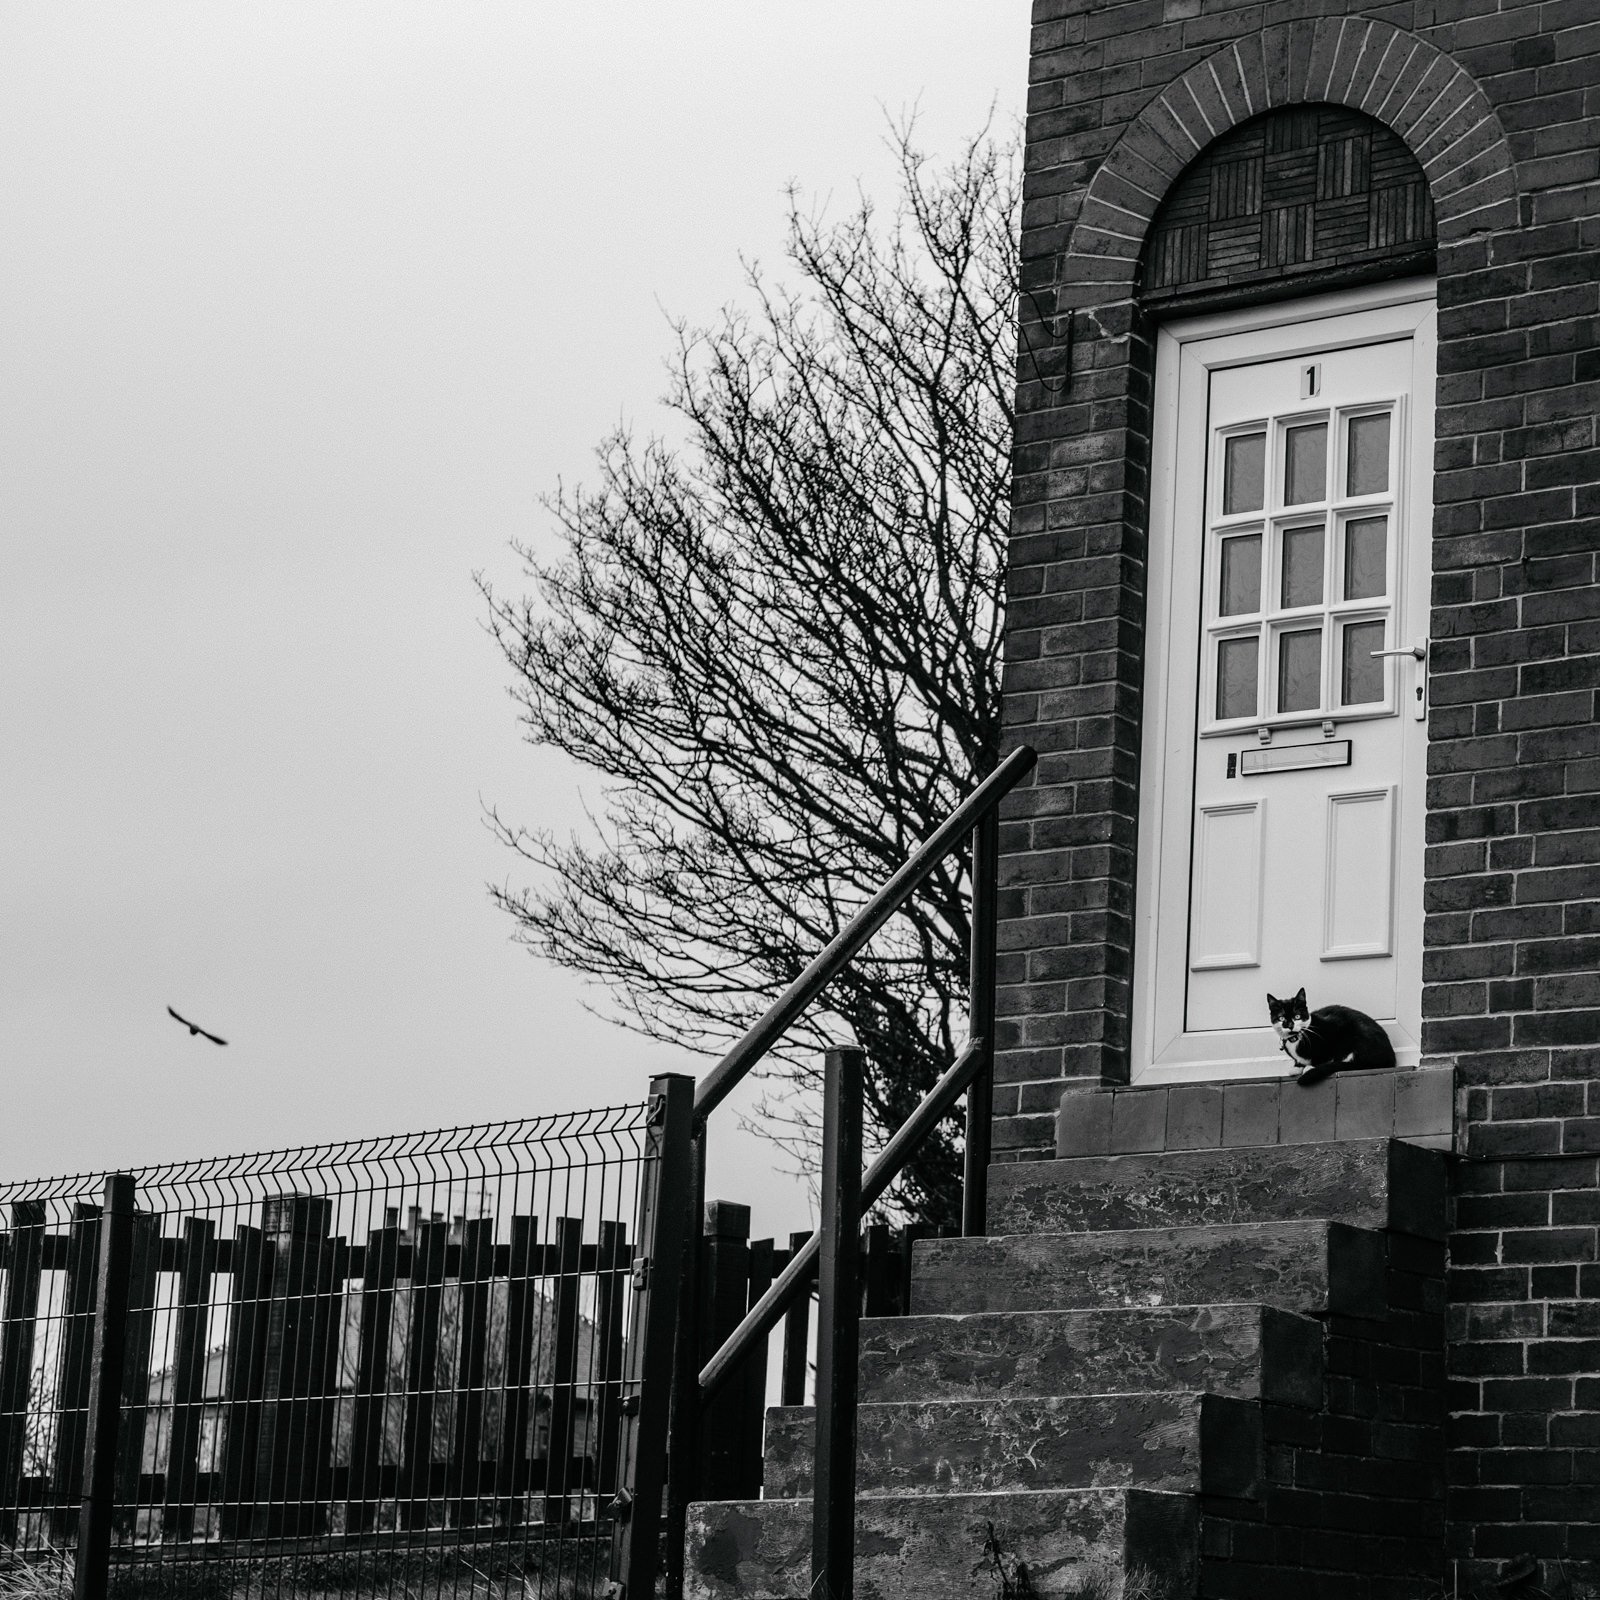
x=1310, y=371
x=1304, y=623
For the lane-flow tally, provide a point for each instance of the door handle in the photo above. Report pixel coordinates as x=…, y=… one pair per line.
x=1417, y=652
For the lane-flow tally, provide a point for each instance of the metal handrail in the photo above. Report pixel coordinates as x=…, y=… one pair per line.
x=763, y=1315
x=765, y=1033
x=976, y=816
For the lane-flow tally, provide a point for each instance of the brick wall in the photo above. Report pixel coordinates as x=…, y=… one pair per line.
x=1524, y=1345
x=1351, y=1504
x=1500, y=102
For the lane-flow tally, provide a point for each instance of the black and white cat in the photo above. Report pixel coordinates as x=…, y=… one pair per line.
x=1328, y=1039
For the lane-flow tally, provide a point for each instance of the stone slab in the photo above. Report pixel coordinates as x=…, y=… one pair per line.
x=1248, y=1351
x=1368, y=1183
x=1151, y=1441
x=1303, y=1266
x=916, y=1547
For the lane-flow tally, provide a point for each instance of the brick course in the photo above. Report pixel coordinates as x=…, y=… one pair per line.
x=1499, y=100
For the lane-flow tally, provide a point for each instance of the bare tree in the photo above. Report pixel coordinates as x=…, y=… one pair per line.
x=779, y=646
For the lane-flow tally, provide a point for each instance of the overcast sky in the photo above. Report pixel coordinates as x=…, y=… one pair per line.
x=302, y=306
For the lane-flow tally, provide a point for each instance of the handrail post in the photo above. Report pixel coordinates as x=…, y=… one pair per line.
x=683, y=1445
x=92, y=1563
x=648, y=1365
x=980, y=1096
x=838, y=1331
x=796, y=1334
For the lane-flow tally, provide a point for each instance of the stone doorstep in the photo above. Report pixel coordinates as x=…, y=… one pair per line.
x=1411, y=1103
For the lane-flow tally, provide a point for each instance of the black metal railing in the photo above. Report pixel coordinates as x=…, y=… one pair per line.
x=973, y=824
x=414, y=1364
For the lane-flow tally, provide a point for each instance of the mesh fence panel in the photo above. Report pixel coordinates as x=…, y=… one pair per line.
x=390, y=1365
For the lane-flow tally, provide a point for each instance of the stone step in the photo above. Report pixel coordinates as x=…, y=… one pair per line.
x=1371, y=1183
x=1249, y=1351
x=1194, y=1442
x=1296, y=1266
x=1073, y=1542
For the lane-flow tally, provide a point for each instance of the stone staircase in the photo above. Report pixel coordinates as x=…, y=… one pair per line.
x=1210, y=1372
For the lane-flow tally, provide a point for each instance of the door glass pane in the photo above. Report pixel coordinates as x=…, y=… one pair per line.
x=1302, y=567
x=1305, y=469
x=1241, y=574
x=1244, y=461
x=1368, y=468
x=1236, y=677
x=1360, y=677
x=1365, y=549
x=1300, y=670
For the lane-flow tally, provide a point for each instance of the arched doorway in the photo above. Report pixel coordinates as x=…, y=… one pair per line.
x=1283, y=766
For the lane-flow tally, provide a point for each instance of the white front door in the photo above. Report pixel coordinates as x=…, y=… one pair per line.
x=1285, y=717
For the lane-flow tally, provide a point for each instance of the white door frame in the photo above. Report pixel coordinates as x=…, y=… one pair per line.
x=1353, y=317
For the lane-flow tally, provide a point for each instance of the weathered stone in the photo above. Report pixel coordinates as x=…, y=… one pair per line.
x=921, y=1547
x=1244, y=1350
x=1297, y=1266
x=1151, y=1441
x=1372, y=1183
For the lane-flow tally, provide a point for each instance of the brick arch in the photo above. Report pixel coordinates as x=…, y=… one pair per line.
x=1386, y=72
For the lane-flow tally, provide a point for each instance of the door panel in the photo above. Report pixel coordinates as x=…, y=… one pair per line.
x=1358, y=885
x=1226, y=928
x=1289, y=579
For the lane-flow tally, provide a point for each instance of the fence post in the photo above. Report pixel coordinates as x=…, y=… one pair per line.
x=137, y=1337
x=683, y=1445
x=981, y=1012
x=648, y=1368
x=429, y=1251
x=880, y=1275
x=558, y=1463
x=611, y=1258
x=18, y=1326
x=838, y=1331
x=476, y=1277
x=380, y=1267
x=516, y=1408
x=796, y=1332
x=92, y=1563
x=75, y=1368
x=295, y=1431
x=752, y=1472
x=250, y=1305
x=722, y=1295
x=908, y=1255
x=197, y=1264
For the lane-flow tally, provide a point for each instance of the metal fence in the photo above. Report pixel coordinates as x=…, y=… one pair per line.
x=386, y=1365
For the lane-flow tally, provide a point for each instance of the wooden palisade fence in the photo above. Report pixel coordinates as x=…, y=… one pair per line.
x=287, y=1389
x=399, y=1345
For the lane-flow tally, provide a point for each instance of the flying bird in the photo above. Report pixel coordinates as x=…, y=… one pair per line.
x=194, y=1027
